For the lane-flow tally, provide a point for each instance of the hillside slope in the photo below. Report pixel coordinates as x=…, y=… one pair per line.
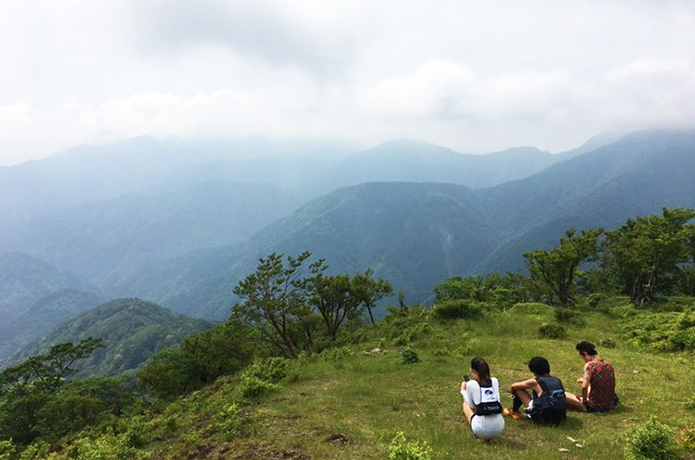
x=415, y=235
x=109, y=239
x=30, y=285
x=351, y=402
x=131, y=329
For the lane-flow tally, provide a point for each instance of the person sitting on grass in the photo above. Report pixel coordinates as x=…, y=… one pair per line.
x=548, y=405
x=481, y=401
x=598, y=382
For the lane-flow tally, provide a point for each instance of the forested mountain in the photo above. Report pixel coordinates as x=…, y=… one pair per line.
x=413, y=161
x=35, y=295
x=638, y=175
x=148, y=166
x=186, y=244
x=419, y=234
x=131, y=329
x=43, y=315
x=109, y=239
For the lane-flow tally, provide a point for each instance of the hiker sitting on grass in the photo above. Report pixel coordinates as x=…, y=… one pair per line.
x=548, y=405
x=481, y=401
x=598, y=382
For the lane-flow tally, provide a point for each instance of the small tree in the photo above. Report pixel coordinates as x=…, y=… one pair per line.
x=274, y=300
x=26, y=388
x=47, y=372
x=335, y=300
x=367, y=291
x=557, y=269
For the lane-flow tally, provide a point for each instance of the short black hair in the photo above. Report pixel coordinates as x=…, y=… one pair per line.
x=587, y=347
x=539, y=366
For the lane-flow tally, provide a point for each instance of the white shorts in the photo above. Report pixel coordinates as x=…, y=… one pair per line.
x=487, y=426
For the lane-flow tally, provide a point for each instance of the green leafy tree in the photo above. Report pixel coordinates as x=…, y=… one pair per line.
x=26, y=388
x=47, y=372
x=367, y=290
x=198, y=360
x=479, y=288
x=557, y=269
x=82, y=403
x=274, y=300
x=646, y=253
x=335, y=300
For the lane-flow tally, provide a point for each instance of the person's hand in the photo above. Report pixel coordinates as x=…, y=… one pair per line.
x=580, y=380
x=463, y=385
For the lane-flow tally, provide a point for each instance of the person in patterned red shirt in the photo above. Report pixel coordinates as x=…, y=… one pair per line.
x=598, y=382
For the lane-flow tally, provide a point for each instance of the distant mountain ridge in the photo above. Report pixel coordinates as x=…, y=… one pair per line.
x=35, y=296
x=416, y=232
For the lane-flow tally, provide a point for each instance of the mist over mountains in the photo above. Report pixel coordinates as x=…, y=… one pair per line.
x=181, y=223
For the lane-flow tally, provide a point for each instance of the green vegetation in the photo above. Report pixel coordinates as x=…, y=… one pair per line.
x=132, y=330
x=653, y=441
x=297, y=372
x=352, y=401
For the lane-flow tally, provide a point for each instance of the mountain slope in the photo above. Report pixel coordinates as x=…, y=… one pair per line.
x=416, y=235
x=638, y=175
x=414, y=161
x=148, y=166
x=131, y=329
x=108, y=240
x=25, y=280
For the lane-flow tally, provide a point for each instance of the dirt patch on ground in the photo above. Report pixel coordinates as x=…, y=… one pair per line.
x=337, y=440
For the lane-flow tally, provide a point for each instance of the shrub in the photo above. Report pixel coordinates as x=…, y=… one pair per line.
x=457, y=309
x=409, y=356
x=568, y=315
x=652, y=441
x=684, y=339
x=665, y=331
x=7, y=450
x=687, y=439
x=252, y=387
x=404, y=339
x=607, y=343
x=400, y=449
x=271, y=370
x=552, y=331
x=36, y=451
x=229, y=421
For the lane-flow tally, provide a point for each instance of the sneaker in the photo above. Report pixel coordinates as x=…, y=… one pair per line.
x=511, y=413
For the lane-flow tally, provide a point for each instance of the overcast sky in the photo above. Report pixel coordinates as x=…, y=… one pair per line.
x=475, y=76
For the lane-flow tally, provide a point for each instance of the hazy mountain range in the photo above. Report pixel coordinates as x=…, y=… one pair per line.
x=181, y=223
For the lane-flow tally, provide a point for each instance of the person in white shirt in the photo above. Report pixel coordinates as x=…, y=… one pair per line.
x=481, y=401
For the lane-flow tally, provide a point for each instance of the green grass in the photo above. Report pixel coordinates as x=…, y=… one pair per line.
x=367, y=399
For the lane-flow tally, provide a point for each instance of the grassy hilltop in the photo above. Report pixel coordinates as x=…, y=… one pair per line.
x=345, y=403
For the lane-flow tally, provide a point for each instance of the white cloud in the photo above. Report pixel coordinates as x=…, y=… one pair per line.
x=475, y=76
x=648, y=66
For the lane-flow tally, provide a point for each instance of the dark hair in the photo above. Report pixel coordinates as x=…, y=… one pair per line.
x=587, y=347
x=481, y=367
x=539, y=366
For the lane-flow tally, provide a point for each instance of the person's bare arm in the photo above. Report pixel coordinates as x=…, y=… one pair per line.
x=586, y=381
x=530, y=384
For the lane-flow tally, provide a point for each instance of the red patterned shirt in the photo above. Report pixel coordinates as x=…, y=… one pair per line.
x=602, y=384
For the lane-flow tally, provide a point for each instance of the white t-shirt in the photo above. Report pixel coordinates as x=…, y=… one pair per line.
x=484, y=426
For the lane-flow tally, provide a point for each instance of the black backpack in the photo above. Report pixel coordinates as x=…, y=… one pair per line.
x=489, y=402
x=550, y=408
